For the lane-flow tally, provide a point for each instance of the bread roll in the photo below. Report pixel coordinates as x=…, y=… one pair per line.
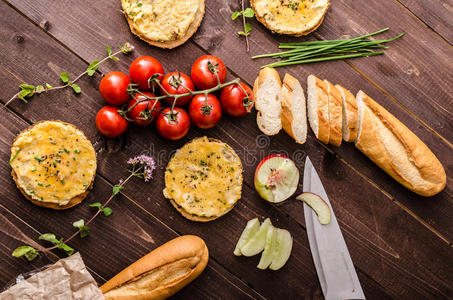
x=161, y=273
x=350, y=117
x=267, y=90
x=397, y=150
x=318, y=108
x=294, y=115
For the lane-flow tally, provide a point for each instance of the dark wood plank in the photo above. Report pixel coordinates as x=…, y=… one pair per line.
x=435, y=13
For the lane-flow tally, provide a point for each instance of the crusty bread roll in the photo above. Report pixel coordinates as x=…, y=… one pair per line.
x=294, y=115
x=397, y=150
x=318, y=108
x=267, y=90
x=335, y=114
x=161, y=273
x=350, y=116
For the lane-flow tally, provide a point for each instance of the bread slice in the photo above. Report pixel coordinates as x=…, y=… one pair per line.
x=350, y=116
x=335, y=114
x=292, y=18
x=397, y=150
x=267, y=90
x=294, y=111
x=173, y=43
x=161, y=273
x=318, y=108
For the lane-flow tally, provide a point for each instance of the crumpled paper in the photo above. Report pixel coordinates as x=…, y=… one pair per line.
x=68, y=278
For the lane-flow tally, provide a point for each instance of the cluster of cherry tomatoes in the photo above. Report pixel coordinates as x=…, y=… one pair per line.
x=138, y=97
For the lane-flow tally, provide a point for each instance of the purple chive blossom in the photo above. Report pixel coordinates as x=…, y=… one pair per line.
x=146, y=162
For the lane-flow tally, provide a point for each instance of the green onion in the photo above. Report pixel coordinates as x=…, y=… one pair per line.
x=316, y=51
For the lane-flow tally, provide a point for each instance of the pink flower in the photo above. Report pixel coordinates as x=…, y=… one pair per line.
x=146, y=162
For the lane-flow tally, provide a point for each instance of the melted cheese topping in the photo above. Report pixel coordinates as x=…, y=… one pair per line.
x=204, y=178
x=54, y=162
x=161, y=20
x=291, y=16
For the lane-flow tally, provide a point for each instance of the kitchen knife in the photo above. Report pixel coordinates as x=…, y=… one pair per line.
x=331, y=257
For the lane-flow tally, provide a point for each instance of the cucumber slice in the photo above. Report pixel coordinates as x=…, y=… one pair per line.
x=282, y=249
x=249, y=231
x=266, y=256
x=256, y=244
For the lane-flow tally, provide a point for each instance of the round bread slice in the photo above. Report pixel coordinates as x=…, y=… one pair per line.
x=291, y=17
x=53, y=164
x=203, y=180
x=175, y=41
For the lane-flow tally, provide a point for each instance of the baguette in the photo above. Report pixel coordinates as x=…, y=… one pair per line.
x=318, y=108
x=267, y=90
x=397, y=150
x=350, y=117
x=161, y=273
x=335, y=114
x=294, y=115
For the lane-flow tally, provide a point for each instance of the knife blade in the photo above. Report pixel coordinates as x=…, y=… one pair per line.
x=333, y=263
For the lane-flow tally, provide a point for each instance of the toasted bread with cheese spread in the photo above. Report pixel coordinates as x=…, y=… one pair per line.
x=291, y=17
x=203, y=180
x=164, y=24
x=53, y=164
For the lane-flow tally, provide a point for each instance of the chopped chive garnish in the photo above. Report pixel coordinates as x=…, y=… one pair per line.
x=15, y=155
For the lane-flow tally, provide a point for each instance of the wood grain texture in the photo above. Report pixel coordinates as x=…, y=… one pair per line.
x=436, y=14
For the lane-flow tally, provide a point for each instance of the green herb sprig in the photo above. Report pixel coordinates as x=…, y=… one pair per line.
x=316, y=51
x=245, y=13
x=142, y=167
x=27, y=90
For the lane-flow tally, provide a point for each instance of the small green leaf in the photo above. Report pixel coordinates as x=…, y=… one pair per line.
x=48, y=86
x=91, y=69
x=107, y=211
x=249, y=13
x=64, y=77
x=69, y=251
x=117, y=189
x=109, y=50
x=96, y=204
x=78, y=224
x=31, y=255
x=115, y=58
x=84, y=231
x=39, y=89
x=50, y=237
x=27, y=87
x=22, y=250
x=241, y=33
x=76, y=88
x=235, y=15
x=248, y=28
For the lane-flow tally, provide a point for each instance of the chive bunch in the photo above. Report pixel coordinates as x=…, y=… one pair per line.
x=315, y=51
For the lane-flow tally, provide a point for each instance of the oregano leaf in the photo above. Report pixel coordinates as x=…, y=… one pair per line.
x=48, y=86
x=235, y=15
x=249, y=13
x=109, y=50
x=78, y=224
x=50, y=237
x=115, y=58
x=39, y=89
x=107, y=211
x=248, y=28
x=116, y=189
x=76, y=88
x=28, y=251
x=92, y=67
x=96, y=204
x=31, y=255
x=64, y=77
x=69, y=251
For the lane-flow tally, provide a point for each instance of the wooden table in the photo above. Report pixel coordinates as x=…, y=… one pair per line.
x=401, y=243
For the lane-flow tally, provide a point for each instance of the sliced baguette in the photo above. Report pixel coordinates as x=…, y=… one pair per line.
x=267, y=90
x=335, y=114
x=318, y=108
x=294, y=115
x=350, y=117
x=397, y=150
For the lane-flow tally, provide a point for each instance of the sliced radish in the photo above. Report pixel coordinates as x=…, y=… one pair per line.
x=276, y=178
x=282, y=249
x=249, y=231
x=266, y=256
x=256, y=244
x=320, y=206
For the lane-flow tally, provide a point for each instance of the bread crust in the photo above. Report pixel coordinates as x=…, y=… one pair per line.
x=350, y=105
x=287, y=114
x=75, y=200
x=418, y=154
x=183, y=247
x=292, y=33
x=323, y=119
x=174, y=43
x=335, y=115
x=199, y=218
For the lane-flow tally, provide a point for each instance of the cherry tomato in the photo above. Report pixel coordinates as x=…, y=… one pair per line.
x=142, y=69
x=234, y=102
x=203, y=72
x=176, y=83
x=145, y=111
x=173, y=126
x=110, y=123
x=205, y=115
x=113, y=88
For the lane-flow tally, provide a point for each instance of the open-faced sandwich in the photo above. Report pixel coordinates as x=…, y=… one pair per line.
x=164, y=23
x=293, y=17
x=53, y=164
x=203, y=179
